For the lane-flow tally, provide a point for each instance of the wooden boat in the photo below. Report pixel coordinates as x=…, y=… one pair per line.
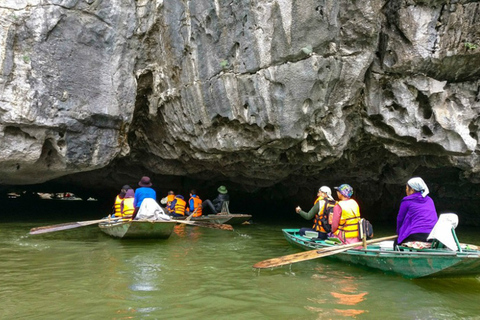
x=409, y=262
x=232, y=218
x=138, y=229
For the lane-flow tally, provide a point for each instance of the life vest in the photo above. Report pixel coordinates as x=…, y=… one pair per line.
x=323, y=220
x=170, y=199
x=180, y=206
x=117, y=205
x=197, y=205
x=348, y=226
x=128, y=207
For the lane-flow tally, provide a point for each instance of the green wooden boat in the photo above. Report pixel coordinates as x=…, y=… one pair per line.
x=138, y=229
x=231, y=218
x=409, y=262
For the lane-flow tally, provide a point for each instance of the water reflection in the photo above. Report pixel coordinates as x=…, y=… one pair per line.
x=201, y=273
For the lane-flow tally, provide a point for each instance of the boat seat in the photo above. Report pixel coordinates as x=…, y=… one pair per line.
x=225, y=209
x=444, y=232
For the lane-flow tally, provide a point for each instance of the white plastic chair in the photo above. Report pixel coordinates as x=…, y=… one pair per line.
x=444, y=231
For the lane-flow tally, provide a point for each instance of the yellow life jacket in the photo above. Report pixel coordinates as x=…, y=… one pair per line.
x=323, y=220
x=348, y=226
x=128, y=207
x=180, y=206
x=116, y=206
x=197, y=206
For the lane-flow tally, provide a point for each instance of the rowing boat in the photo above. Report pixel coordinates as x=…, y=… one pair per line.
x=410, y=262
x=138, y=229
x=231, y=219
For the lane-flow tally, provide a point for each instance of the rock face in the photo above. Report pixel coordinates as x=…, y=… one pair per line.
x=263, y=94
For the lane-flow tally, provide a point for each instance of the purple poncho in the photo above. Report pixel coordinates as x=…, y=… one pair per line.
x=416, y=215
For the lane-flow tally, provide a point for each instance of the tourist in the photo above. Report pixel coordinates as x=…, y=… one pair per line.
x=119, y=199
x=417, y=215
x=177, y=207
x=167, y=201
x=144, y=192
x=126, y=207
x=194, y=207
x=346, y=215
x=322, y=211
x=217, y=204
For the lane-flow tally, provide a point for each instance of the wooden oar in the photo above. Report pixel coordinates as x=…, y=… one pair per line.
x=191, y=216
x=68, y=225
x=207, y=225
x=313, y=254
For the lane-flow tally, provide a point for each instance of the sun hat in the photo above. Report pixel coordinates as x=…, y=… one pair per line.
x=145, y=182
x=222, y=189
x=345, y=189
x=327, y=190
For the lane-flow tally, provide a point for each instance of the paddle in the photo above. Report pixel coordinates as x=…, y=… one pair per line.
x=207, y=225
x=191, y=216
x=68, y=225
x=313, y=254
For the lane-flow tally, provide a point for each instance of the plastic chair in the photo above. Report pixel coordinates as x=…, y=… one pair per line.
x=444, y=232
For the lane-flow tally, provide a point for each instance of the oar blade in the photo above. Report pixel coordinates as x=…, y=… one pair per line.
x=286, y=260
x=58, y=227
x=68, y=225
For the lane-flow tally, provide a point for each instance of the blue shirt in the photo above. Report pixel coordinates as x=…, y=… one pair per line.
x=143, y=193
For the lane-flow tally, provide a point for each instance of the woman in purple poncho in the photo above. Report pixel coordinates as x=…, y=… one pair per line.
x=417, y=215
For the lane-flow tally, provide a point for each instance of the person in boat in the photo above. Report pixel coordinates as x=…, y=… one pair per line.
x=417, y=214
x=167, y=201
x=322, y=212
x=346, y=215
x=126, y=207
x=194, y=204
x=144, y=192
x=216, y=205
x=177, y=207
x=119, y=199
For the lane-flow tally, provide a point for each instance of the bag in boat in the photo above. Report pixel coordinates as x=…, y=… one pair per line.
x=365, y=228
x=150, y=210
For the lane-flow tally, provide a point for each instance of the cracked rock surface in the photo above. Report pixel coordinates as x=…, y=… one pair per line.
x=280, y=95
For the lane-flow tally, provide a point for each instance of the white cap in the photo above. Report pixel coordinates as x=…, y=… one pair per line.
x=327, y=190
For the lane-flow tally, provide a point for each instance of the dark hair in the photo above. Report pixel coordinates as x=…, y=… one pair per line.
x=193, y=191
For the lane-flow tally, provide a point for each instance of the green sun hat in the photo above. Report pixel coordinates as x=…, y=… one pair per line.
x=222, y=189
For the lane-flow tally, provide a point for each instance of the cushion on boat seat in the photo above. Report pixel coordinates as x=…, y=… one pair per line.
x=443, y=230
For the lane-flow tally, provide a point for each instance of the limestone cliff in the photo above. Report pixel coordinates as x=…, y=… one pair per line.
x=259, y=93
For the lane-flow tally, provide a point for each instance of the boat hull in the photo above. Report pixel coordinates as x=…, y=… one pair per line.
x=231, y=219
x=138, y=229
x=412, y=263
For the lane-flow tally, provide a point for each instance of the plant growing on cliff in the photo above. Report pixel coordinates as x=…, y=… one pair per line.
x=224, y=64
x=471, y=46
x=26, y=59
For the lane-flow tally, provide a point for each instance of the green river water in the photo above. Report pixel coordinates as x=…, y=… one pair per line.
x=201, y=273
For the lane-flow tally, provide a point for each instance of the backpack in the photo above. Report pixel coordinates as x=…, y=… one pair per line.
x=365, y=228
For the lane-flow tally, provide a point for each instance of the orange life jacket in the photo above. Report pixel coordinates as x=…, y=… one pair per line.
x=348, y=226
x=128, y=207
x=170, y=199
x=197, y=206
x=323, y=220
x=180, y=206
